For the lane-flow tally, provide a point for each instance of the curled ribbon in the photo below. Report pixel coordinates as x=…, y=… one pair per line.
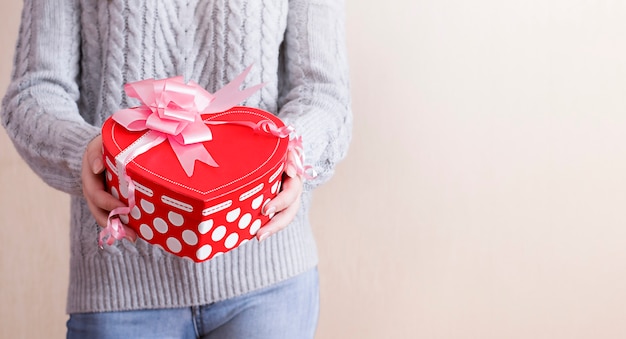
x=297, y=161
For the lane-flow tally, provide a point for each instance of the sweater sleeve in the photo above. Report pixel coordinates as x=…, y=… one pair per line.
x=39, y=110
x=316, y=96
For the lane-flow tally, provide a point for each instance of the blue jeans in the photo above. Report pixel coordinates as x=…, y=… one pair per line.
x=287, y=310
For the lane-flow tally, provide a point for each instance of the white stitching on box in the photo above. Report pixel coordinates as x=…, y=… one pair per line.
x=251, y=192
x=275, y=175
x=175, y=203
x=143, y=189
x=217, y=208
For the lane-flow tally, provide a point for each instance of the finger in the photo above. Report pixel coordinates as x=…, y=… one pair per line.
x=279, y=221
x=105, y=201
x=291, y=190
x=290, y=170
x=100, y=215
x=97, y=165
x=100, y=204
x=99, y=201
x=93, y=189
x=93, y=155
x=90, y=186
x=130, y=233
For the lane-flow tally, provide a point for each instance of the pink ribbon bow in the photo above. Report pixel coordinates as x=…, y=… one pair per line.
x=171, y=110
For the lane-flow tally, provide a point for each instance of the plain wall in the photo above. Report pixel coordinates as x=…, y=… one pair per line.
x=483, y=195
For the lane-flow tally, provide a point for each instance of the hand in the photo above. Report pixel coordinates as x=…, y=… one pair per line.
x=100, y=201
x=285, y=204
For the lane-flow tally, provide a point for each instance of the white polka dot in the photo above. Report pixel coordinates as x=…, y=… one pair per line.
x=174, y=245
x=124, y=218
x=115, y=193
x=135, y=213
x=146, y=231
x=243, y=242
x=204, y=252
x=109, y=176
x=275, y=187
x=205, y=226
x=160, y=225
x=280, y=183
x=245, y=220
x=255, y=227
x=190, y=237
x=175, y=218
x=147, y=206
x=233, y=215
x=256, y=203
x=231, y=241
x=219, y=233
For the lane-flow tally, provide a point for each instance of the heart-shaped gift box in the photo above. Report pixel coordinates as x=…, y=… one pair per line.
x=194, y=171
x=215, y=209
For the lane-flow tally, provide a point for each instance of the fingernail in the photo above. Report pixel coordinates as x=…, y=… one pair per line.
x=264, y=236
x=291, y=171
x=131, y=238
x=270, y=210
x=96, y=165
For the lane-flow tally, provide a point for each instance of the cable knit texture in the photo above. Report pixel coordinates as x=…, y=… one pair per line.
x=73, y=58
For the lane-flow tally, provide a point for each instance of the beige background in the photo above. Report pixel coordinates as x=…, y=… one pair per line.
x=483, y=196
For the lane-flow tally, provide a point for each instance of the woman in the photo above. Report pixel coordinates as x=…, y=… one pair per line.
x=72, y=60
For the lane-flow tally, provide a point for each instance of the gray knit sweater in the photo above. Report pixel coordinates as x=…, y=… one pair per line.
x=73, y=58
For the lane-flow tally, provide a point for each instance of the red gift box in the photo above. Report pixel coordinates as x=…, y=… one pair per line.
x=217, y=208
x=194, y=209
